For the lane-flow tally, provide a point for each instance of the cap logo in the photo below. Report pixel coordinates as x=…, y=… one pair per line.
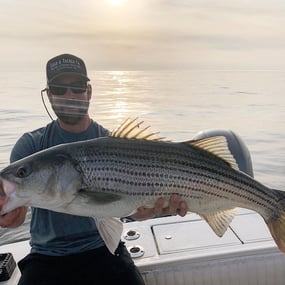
x=65, y=63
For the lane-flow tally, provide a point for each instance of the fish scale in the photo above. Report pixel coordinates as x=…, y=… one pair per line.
x=141, y=168
x=114, y=176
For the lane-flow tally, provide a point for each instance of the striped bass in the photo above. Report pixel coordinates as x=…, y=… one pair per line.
x=113, y=176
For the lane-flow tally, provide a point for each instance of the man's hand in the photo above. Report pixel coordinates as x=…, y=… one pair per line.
x=14, y=218
x=175, y=207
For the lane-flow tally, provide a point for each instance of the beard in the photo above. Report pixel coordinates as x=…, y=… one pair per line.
x=70, y=111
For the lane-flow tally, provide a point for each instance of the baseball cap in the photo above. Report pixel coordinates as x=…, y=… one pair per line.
x=65, y=64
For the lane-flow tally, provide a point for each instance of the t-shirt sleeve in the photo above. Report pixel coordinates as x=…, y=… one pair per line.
x=25, y=146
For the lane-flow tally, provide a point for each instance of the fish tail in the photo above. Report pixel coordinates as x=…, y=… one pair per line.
x=277, y=225
x=277, y=230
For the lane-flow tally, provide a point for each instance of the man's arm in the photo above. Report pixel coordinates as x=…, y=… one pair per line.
x=16, y=217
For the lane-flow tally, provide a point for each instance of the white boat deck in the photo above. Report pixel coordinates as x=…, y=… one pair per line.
x=180, y=251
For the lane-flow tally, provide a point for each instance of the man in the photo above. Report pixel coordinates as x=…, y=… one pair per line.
x=67, y=249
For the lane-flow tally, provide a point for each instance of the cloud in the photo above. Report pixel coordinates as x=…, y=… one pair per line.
x=145, y=34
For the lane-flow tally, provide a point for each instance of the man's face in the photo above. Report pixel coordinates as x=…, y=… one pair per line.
x=69, y=97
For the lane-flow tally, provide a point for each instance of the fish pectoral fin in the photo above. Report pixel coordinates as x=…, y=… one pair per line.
x=110, y=230
x=100, y=197
x=220, y=221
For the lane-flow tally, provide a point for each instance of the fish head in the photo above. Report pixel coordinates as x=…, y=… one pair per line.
x=47, y=179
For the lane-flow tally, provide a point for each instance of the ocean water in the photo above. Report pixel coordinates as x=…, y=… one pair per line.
x=176, y=103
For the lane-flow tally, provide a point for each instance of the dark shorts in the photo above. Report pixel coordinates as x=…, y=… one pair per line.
x=98, y=266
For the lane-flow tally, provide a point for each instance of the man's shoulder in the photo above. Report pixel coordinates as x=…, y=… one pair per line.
x=99, y=129
x=37, y=133
x=29, y=143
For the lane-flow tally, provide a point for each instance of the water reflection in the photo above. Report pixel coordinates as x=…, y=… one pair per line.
x=176, y=103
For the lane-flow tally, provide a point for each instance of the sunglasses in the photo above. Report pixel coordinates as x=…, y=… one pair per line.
x=61, y=89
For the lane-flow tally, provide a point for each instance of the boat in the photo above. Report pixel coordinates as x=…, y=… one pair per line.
x=184, y=250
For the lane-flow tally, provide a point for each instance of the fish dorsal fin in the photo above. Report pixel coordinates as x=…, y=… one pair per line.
x=218, y=146
x=220, y=221
x=131, y=129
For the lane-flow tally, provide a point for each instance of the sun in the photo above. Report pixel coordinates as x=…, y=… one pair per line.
x=116, y=2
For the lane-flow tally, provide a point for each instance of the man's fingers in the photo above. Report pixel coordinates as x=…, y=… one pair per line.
x=182, y=209
x=172, y=207
x=175, y=207
x=158, y=207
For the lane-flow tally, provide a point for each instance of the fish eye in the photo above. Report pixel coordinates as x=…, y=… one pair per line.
x=22, y=172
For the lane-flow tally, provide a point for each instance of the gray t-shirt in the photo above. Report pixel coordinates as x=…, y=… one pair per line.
x=55, y=233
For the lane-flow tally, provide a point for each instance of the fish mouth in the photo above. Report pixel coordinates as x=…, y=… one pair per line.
x=3, y=195
x=7, y=188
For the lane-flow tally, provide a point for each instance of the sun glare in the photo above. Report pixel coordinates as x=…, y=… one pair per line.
x=116, y=2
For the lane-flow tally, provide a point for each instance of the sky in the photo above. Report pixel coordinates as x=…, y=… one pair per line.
x=144, y=34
